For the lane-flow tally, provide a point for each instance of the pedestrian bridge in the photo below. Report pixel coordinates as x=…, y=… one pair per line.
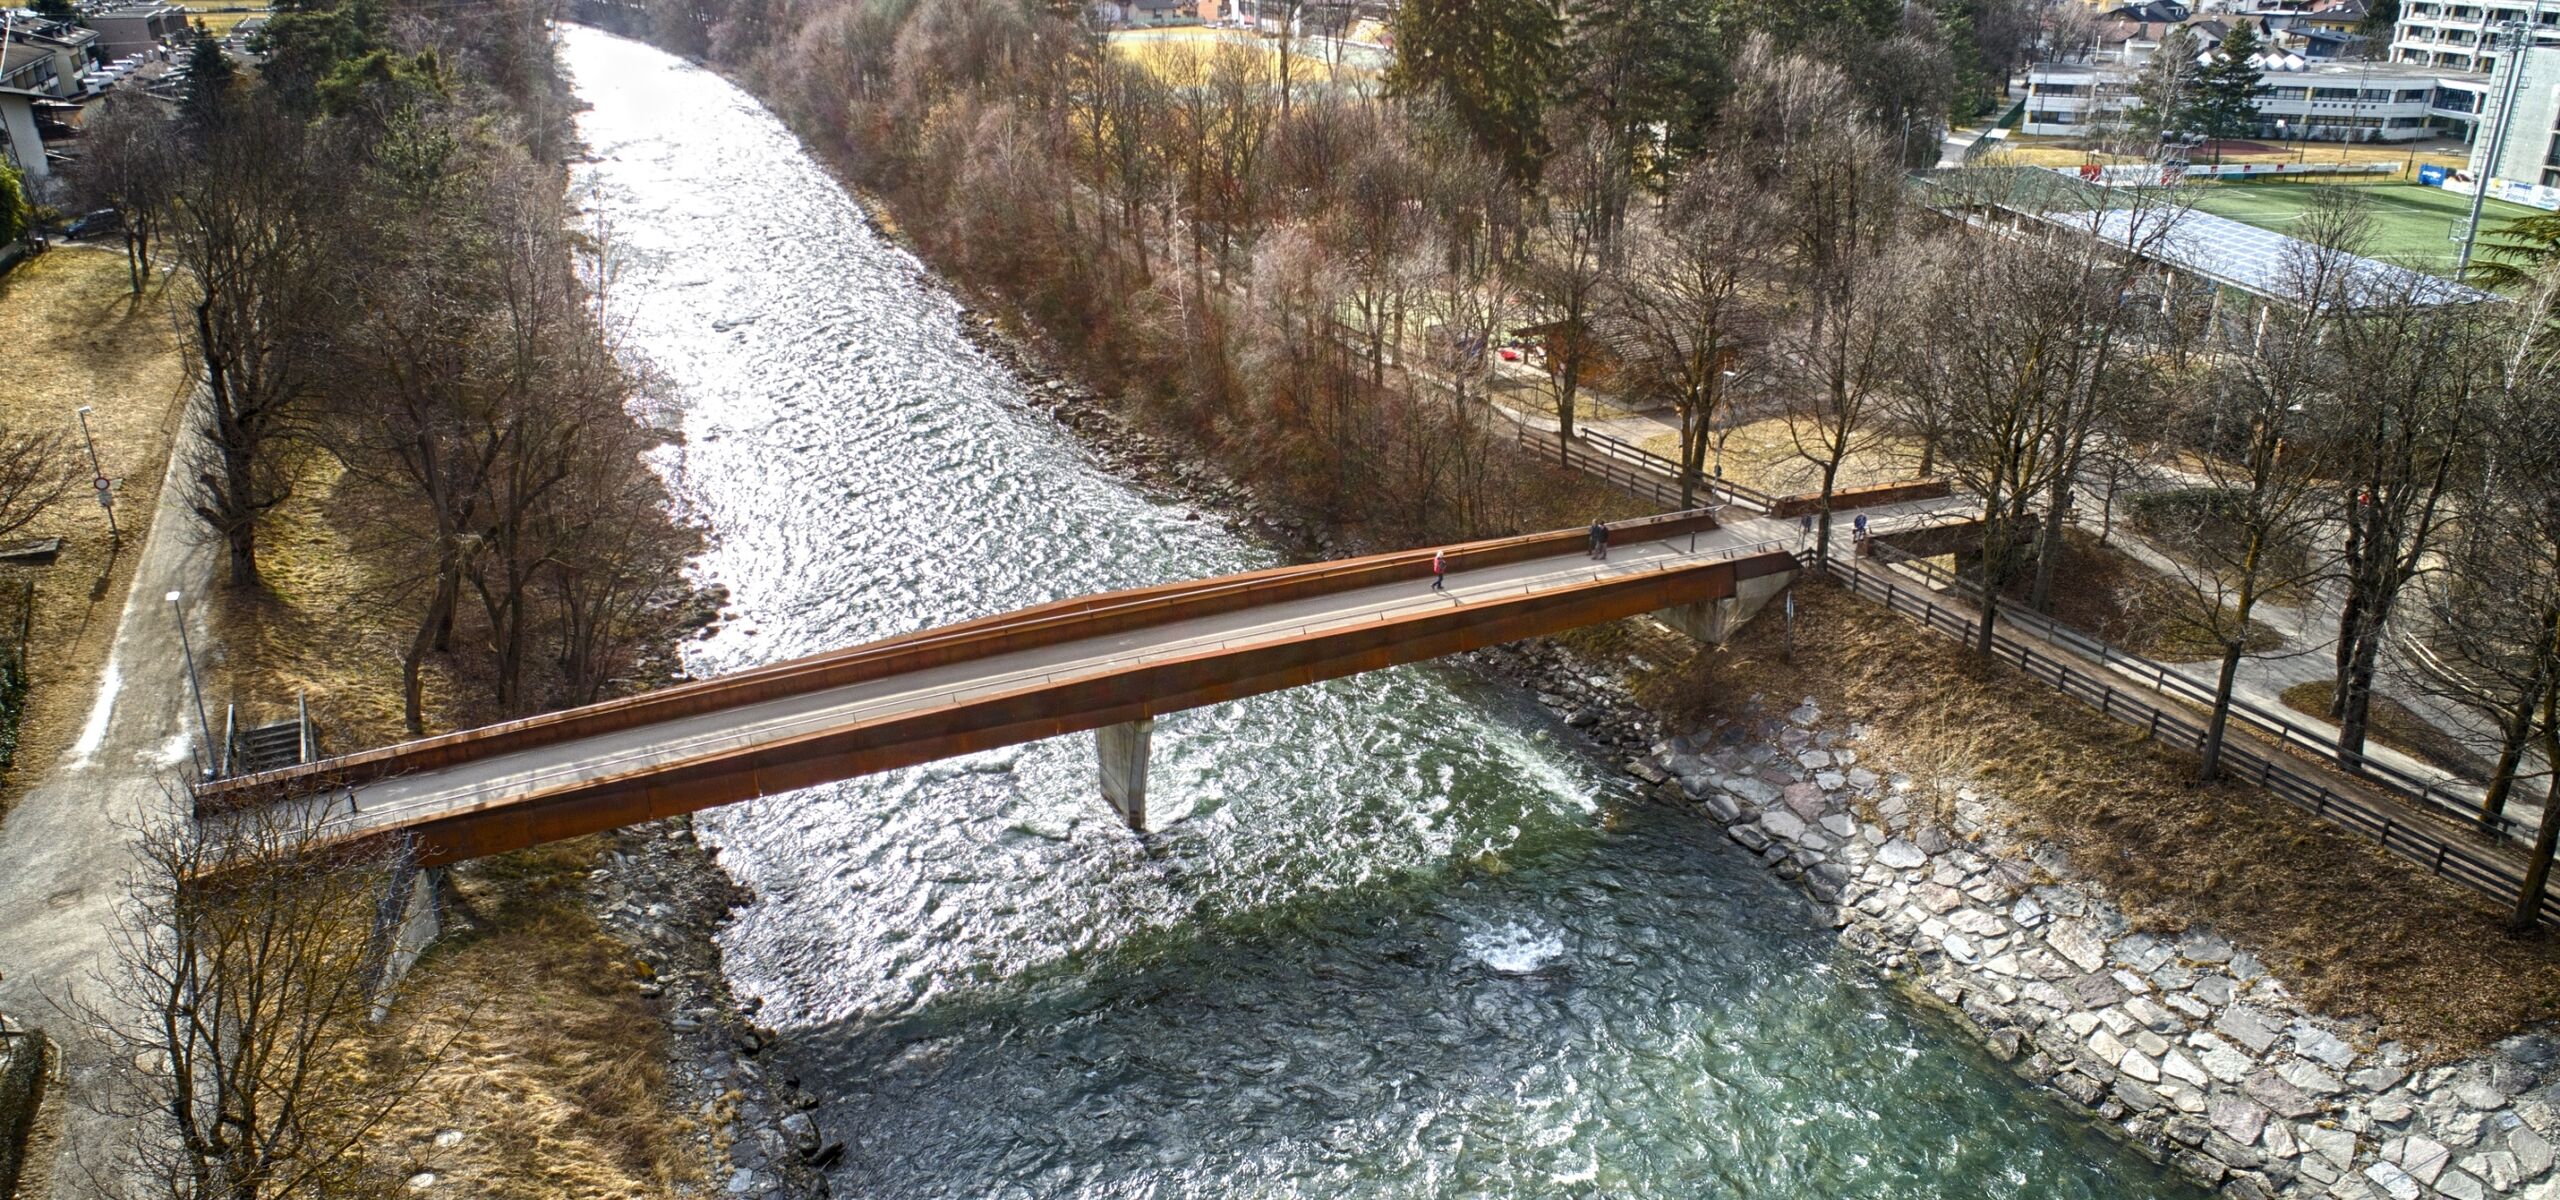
x=1109, y=662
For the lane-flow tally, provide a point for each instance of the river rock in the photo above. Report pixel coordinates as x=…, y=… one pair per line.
x=2244, y=1025
x=2476, y=1094
x=2280, y=1097
x=2238, y=1119
x=1782, y=824
x=2320, y=1045
x=2076, y=942
x=802, y=1132
x=1757, y=793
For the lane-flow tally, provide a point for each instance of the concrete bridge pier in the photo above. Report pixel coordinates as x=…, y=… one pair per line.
x=1124, y=767
x=408, y=918
x=1715, y=621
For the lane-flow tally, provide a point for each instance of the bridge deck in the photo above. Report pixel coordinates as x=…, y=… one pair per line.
x=485, y=792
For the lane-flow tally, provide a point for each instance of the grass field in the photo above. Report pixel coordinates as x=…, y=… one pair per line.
x=219, y=23
x=1184, y=52
x=2412, y=223
x=2022, y=150
x=72, y=333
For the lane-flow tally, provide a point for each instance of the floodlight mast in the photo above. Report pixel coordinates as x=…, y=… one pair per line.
x=2520, y=35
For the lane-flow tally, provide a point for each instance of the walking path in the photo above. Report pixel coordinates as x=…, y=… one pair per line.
x=66, y=849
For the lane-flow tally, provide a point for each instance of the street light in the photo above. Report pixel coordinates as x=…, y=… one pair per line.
x=98, y=476
x=194, y=684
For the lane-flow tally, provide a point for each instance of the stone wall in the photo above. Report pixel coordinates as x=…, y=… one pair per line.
x=2185, y=1045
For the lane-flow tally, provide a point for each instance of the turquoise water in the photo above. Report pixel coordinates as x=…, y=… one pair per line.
x=1411, y=940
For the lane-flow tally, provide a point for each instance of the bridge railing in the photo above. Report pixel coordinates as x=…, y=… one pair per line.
x=2481, y=867
x=1631, y=468
x=2437, y=794
x=1024, y=629
x=1610, y=572
x=576, y=790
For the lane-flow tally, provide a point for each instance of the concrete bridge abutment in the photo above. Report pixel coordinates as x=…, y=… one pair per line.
x=1124, y=749
x=1714, y=622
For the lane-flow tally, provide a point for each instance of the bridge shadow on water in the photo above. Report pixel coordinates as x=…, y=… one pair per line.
x=1637, y=1010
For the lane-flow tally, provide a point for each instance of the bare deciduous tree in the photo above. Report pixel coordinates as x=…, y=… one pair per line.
x=252, y=240
x=129, y=162
x=1693, y=316
x=234, y=1010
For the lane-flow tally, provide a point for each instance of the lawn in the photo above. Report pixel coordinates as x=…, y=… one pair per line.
x=1763, y=455
x=218, y=17
x=2392, y=724
x=1184, y=52
x=2412, y=224
x=2023, y=150
x=72, y=333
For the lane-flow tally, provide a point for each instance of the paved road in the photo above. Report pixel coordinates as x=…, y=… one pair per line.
x=68, y=845
x=406, y=798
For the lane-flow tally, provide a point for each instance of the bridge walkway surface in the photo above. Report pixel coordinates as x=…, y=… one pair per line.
x=1062, y=668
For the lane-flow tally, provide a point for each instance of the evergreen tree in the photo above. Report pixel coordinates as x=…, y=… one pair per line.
x=2166, y=94
x=1493, y=62
x=56, y=10
x=15, y=214
x=1643, y=66
x=2227, y=91
x=210, y=79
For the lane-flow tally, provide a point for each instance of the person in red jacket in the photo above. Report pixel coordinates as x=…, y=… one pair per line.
x=1439, y=569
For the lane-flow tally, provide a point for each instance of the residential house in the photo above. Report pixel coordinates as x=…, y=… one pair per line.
x=72, y=48
x=138, y=28
x=2297, y=99
x=2149, y=12
x=20, y=144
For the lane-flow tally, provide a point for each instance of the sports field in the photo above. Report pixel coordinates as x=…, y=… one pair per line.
x=2412, y=224
x=1182, y=53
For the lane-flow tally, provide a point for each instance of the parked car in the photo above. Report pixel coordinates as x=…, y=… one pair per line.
x=95, y=224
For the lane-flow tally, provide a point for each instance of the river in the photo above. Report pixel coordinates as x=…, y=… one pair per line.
x=1412, y=940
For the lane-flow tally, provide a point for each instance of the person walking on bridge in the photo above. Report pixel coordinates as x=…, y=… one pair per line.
x=1599, y=541
x=1439, y=570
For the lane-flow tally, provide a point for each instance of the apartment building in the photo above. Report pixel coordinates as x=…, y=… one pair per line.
x=2298, y=99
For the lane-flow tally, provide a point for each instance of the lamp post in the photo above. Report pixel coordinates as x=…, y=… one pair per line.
x=195, y=685
x=98, y=475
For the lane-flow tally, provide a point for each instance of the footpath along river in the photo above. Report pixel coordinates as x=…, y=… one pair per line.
x=1412, y=940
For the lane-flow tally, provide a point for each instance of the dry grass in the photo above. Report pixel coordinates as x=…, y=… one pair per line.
x=1182, y=53
x=2068, y=152
x=2393, y=725
x=1530, y=390
x=2350, y=930
x=2101, y=590
x=556, y=1080
x=326, y=626
x=72, y=333
x=202, y=13
x=1763, y=455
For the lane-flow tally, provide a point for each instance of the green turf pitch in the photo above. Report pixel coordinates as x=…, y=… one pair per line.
x=2412, y=224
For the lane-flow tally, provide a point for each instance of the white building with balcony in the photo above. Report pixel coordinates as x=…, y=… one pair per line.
x=2297, y=99
x=2461, y=35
